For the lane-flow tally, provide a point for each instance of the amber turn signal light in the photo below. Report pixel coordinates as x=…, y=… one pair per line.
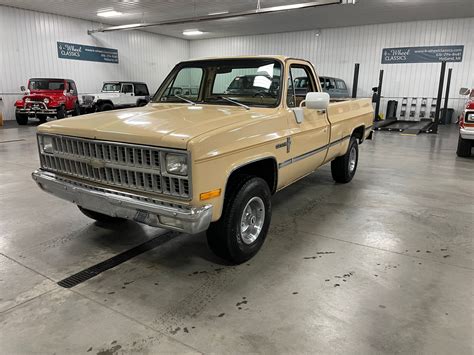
x=210, y=194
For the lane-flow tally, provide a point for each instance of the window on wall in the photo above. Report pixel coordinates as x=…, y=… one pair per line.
x=299, y=84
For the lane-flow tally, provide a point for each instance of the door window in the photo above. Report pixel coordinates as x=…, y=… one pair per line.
x=72, y=86
x=300, y=83
x=127, y=88
x=332, y=84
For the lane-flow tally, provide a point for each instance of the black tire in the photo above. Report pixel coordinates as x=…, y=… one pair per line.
x=61, y=112
x=105, y=106
x=21, y=119
x=77, y=109
x=100, y=217
x=141, y=103
x=344, y=168
x=225, y=237
x=42, y=118
x=464, y=147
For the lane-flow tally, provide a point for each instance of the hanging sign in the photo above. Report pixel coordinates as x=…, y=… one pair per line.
x=434, y=54
x=89, y=53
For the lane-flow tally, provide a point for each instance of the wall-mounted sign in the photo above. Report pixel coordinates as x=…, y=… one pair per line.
x=435, y=54
x=88, y=53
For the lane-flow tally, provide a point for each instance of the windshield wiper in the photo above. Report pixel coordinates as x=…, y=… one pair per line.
x=185, y=99
x=234, y=102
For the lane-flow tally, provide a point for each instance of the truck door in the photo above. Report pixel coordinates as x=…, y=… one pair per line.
x=309, y=138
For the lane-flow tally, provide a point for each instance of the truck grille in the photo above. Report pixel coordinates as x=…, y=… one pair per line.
x=87, y=99
x=132, y=167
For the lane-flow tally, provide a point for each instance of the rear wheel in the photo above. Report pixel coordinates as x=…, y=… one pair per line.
x=464, y=147
x=141, y=103
x=21, y=119
x=100, y=217
x=61, y=112
x=243, y=226
x=343, y=168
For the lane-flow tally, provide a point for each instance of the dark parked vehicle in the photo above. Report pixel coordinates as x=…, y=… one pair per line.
x=47, y=97
x=336, y=88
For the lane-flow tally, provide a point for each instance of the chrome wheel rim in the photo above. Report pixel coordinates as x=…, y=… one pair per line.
x=251, y=222
x=352, y=159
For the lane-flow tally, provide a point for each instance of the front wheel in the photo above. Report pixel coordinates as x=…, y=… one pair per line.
x=343, y=168
x=243, y=227
x=21, y=119
x=100, y=217
x=464, y=147
x=61, y=112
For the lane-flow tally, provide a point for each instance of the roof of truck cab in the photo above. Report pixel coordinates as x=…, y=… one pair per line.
x=272, y=56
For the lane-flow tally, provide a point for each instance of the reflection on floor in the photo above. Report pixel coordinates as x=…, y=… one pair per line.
x=381, y=265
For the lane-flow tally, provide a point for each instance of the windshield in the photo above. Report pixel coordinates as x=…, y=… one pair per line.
x=252, y=82
x=46, y=84
x=111, y=87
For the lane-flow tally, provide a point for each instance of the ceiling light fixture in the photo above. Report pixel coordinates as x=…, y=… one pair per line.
x=192, y=32
x=230, y=15
x=109, y=13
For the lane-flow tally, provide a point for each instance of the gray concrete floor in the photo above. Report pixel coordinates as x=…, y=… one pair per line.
x=381, y=265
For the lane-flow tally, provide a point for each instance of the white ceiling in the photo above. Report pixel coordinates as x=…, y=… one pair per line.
x=139, y=11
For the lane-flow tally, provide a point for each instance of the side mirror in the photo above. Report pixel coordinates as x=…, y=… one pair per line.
x=317, y=100
x=22, y=88
x=464, y=91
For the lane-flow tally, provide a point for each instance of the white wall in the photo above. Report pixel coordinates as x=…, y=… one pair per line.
x=336, y=50
x=28, y=49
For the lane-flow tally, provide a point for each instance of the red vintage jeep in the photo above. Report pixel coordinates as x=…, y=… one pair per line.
x=466, y=125
x=47, y=98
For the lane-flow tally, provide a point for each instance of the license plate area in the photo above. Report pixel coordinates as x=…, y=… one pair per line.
x=141, y=216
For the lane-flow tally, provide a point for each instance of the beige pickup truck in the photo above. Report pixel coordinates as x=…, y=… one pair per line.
x=220, y=136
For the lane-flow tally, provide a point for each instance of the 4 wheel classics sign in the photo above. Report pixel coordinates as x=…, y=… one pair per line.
x=434, y=54
x=88, y=53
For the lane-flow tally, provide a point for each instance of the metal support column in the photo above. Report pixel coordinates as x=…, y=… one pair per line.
x=355, y=83
x=379, y=95
x=446, y=96
x=438, y=99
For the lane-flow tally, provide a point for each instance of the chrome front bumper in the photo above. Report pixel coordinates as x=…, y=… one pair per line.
x=467, y=133
x=116, y=203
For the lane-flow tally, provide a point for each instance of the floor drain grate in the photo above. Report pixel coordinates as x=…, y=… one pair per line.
x=99, y=268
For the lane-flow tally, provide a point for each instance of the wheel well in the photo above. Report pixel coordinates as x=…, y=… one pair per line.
x=359, y=133
x=100, y=102
x=265, y=169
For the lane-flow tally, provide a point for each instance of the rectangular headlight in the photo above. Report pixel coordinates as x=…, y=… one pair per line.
x=176, y=164
x=469, y=117
x=46, y=144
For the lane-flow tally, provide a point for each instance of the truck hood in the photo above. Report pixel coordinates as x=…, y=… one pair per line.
x=164, y=125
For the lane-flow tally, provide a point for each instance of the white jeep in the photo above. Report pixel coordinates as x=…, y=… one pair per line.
x=116, y=94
